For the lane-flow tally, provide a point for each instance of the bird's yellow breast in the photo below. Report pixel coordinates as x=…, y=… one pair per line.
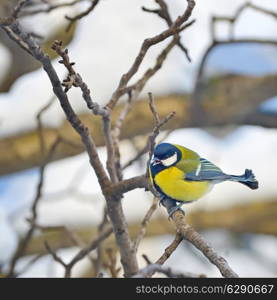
x=171, y=182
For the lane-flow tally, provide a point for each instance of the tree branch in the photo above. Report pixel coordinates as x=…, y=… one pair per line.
x=163, y=13
x=49, y=8
x=157, y=268
x=144, y=223
x=32, y=221
x=114, y=206
x=197, y=107
x=72, y=20
x=143, y=50
x=197, y=240
x=170, y=249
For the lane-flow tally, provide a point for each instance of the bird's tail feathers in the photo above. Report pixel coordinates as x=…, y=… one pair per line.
x=248, y=179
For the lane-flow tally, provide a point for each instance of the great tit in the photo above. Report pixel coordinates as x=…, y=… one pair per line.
x=180, y=174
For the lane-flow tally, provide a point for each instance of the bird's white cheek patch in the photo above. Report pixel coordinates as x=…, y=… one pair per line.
x=170, y=161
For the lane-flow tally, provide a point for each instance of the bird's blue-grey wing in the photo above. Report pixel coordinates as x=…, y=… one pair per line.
x=207, y=171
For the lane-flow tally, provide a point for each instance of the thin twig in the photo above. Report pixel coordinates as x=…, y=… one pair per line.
x=158, y=124
x=85, y=251
x=18, y=8
x=146, y=258
x=25, y=241
x=113, y=161
x=136, y=157
x=144, y=223
x=141, y=181
x=112, y=263
x=144, y=150
x=99, y=251
x=72, y=20
x=73, y=237
x=137, y=87
x=48, y=8
x=143, y=50
x=156, y=268
x=81, y=254
x=154, y=109
x=133, y=92
x=233, y=19
x=110, y=145
x=54, y=255
x=29, y=264
x=168, y=251
x=163, y=13
x=197, y=110
x=39, y=123
x=74, y=79
x=116, y=134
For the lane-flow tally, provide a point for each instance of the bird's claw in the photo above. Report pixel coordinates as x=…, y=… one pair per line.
x=174, y=209
x=161, y=200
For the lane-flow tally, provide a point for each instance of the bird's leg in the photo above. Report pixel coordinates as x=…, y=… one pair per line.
x=172, y=210
x=171, y=205
x=162, y=198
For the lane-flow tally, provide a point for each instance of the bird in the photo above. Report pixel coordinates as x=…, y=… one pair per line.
x=180, y=174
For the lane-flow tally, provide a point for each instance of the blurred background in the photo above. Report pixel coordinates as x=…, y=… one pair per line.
x=239, y=223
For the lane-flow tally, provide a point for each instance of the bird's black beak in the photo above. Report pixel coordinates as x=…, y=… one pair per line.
x=156, y=161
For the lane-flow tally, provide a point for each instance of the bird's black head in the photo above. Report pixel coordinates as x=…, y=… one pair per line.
x=165, y=155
